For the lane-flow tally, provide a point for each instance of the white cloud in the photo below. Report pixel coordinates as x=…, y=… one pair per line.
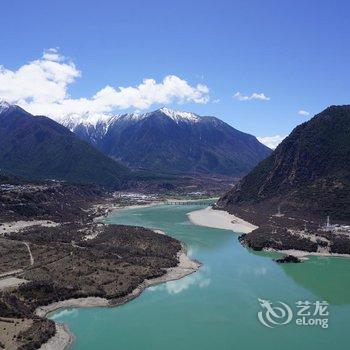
x=41, y=87
x=303, y=113
x=53, y=55
x=65, y=313
x=271, y=141
x=40, y=81
x=178, y=286
x=260, y=271
x=254, y=96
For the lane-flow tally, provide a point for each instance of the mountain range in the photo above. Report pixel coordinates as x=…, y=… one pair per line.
x=170, y=141
x=308, y=173
x=38, y=148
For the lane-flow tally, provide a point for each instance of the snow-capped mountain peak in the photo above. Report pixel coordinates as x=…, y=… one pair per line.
x=4, y=106
x=169, y=141
x=87, y=119
x=95, y=119
x=179, y=115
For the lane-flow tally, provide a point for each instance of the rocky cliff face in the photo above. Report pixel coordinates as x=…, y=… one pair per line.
x=309, y=171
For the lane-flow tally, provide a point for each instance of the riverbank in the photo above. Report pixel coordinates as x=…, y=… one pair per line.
x=64, y=338
x=220, y=219
x=304, y=254
x=61, y=340
x=108, y=208
x=217, y=306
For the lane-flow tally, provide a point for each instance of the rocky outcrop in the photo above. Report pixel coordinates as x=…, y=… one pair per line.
x=307, y=174
x=288, y=259
x=290, y=193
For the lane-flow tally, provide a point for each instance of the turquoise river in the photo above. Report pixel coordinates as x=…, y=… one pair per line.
x=217, y=307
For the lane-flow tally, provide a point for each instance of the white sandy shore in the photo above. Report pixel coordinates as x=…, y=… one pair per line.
x=305, y=254
x=42, y=311
x=63, y=337
x=220, y=219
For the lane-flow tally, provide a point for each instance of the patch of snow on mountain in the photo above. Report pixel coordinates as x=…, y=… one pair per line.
x=4, y=106
x=180, y=116
x=104, y=121
x=131, y=116
x=87, y=119
x=93, y=120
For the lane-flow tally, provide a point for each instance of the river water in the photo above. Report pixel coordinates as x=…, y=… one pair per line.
x=217, y=307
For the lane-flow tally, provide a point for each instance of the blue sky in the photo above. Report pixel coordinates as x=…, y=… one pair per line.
x=295, y=53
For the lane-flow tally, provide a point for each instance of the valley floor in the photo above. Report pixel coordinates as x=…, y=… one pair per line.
x=49, y=260
x=63, y=337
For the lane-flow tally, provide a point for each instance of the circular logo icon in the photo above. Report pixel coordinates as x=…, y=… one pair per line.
x=274, y=315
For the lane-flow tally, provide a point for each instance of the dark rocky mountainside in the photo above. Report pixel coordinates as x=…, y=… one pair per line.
x=289, y=194
x=173, y=142
x=308, y=173
x=36, y=147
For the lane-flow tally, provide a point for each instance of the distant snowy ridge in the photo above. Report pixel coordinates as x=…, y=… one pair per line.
x=95, y=120
x=165, y=141
x=105, y=120
x=180, y=116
